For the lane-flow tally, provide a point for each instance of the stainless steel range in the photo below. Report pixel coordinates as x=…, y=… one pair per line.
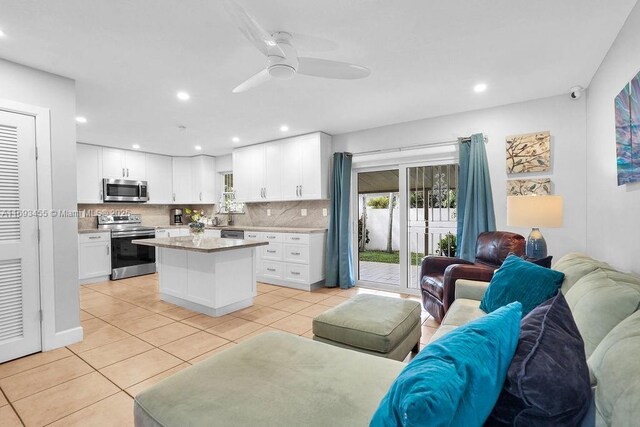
x=127, y=259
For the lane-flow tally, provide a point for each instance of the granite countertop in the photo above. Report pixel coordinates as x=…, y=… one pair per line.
x=207, y=245
x=293, y=230
x=92, y=230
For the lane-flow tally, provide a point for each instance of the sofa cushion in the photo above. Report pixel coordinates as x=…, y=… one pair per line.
x=274, y=379
x=599, y=301
x=575, y=266
x=615, y=364
x=522, y=281
x=455, y=380
x=370, y=322
x=548, y=379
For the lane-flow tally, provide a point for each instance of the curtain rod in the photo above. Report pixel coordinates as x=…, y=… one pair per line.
x=416, y=147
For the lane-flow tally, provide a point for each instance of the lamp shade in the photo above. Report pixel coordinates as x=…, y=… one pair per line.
x=534, y=211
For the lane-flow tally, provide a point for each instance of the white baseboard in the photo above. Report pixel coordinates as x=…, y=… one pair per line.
x=64, y=338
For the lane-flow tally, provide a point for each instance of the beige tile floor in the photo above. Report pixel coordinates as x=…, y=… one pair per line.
x=132, y=340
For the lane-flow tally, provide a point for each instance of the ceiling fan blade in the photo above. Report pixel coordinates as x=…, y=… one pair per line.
x=253, y=81
x=331, y=69
x=252, y=30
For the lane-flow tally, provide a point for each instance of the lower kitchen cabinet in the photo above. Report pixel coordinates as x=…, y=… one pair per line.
x=94, y=257
x=294, y=260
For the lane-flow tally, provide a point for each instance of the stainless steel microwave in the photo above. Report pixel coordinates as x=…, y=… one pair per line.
x=124, y=190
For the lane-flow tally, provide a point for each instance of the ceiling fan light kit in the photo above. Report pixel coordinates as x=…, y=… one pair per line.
x=283, y=62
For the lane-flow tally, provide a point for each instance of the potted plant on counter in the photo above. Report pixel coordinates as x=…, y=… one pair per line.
x=197, y=222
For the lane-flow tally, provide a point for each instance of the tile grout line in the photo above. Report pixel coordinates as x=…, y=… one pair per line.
x=12, y=407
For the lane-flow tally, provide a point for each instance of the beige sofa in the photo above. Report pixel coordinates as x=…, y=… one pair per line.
x=277, y=379
x=604, y=303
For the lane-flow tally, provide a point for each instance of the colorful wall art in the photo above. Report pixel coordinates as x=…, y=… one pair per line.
x=529, y=153
x=528, y=187
x=627, y=107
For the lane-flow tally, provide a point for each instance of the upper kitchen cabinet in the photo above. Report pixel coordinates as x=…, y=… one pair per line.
x=159, y=179
x=182, y=191
x=89, y=169
x=123, y=164
x=203, y=179
x=294, y=168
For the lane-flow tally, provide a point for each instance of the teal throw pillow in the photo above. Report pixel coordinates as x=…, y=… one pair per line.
x=522, y=281
x=455, y=380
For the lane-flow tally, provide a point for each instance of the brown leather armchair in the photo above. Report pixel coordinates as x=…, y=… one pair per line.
x=439, y=274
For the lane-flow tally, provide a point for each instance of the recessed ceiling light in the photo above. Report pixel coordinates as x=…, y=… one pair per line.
x=480, y=87
x=183, y=96
x=135, y=146
x=2, y=34
x=198, y=148
x=81, y=119
x=284, y=128
x=235, y=139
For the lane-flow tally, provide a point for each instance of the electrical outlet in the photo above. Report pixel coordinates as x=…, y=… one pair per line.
x=303, y=212
x=268, y=212
x=324, y=211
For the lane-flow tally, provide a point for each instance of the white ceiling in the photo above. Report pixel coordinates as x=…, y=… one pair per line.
x=129, y=58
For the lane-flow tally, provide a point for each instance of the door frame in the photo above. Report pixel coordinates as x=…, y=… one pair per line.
x=49, y=338
x=401, y=162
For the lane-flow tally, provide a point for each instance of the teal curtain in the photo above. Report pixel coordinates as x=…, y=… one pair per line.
x=475, y=199
x=339, y=262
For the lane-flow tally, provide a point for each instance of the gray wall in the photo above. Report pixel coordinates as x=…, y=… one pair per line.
x=564, y=118
x=29, y=86
x=613, y=233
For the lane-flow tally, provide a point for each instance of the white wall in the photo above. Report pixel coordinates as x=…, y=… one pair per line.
x=37, y=88
x=613, y=220
x=564, y=118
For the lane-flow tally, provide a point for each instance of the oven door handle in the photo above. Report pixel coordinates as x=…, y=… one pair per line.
x=133, y=234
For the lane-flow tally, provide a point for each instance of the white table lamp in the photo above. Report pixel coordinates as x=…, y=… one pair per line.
x=535, y=212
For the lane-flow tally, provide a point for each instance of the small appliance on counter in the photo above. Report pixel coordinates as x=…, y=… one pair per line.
x=128, y=259
x=175, y=217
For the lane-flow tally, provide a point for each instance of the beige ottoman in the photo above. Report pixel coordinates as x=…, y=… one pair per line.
x=382, y=326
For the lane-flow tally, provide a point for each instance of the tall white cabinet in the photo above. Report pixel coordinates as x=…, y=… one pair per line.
x=160, y=179
x=294, y=168
x=194, y=180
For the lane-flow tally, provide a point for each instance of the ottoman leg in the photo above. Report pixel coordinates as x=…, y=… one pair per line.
x=416, y=348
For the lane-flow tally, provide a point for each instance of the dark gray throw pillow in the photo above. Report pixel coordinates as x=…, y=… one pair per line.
x=548, y=379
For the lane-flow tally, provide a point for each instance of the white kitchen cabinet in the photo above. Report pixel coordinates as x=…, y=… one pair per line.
x=123, y=164
x=89, y=172
x=182, y=187
x=160, y=179
x=94, y=257
x=294, y=168
x=203, y=178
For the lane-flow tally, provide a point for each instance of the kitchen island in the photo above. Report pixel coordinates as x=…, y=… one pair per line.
x=213, y=277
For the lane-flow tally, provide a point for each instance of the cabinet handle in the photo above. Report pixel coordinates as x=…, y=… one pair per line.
x=295, y=238
x=108, y=250
x=297, y=192
x=295, y=253
x=94, y=237
x=295, y=273
x=271, y=237
x=174, y=196
x=271, y=252
x=123, y=175
x=271, y=269
x=201, y=196
x=301, y=191
x=127, y=172
x=265, y=192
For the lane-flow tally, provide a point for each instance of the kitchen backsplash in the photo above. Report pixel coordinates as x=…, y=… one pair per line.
x=283, y=214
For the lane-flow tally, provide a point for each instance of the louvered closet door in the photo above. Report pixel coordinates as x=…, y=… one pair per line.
x=19, y=283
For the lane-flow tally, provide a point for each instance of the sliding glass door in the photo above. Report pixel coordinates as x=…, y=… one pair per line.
x=400, y=215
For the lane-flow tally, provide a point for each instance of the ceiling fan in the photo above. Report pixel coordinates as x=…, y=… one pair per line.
x=283, y=61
